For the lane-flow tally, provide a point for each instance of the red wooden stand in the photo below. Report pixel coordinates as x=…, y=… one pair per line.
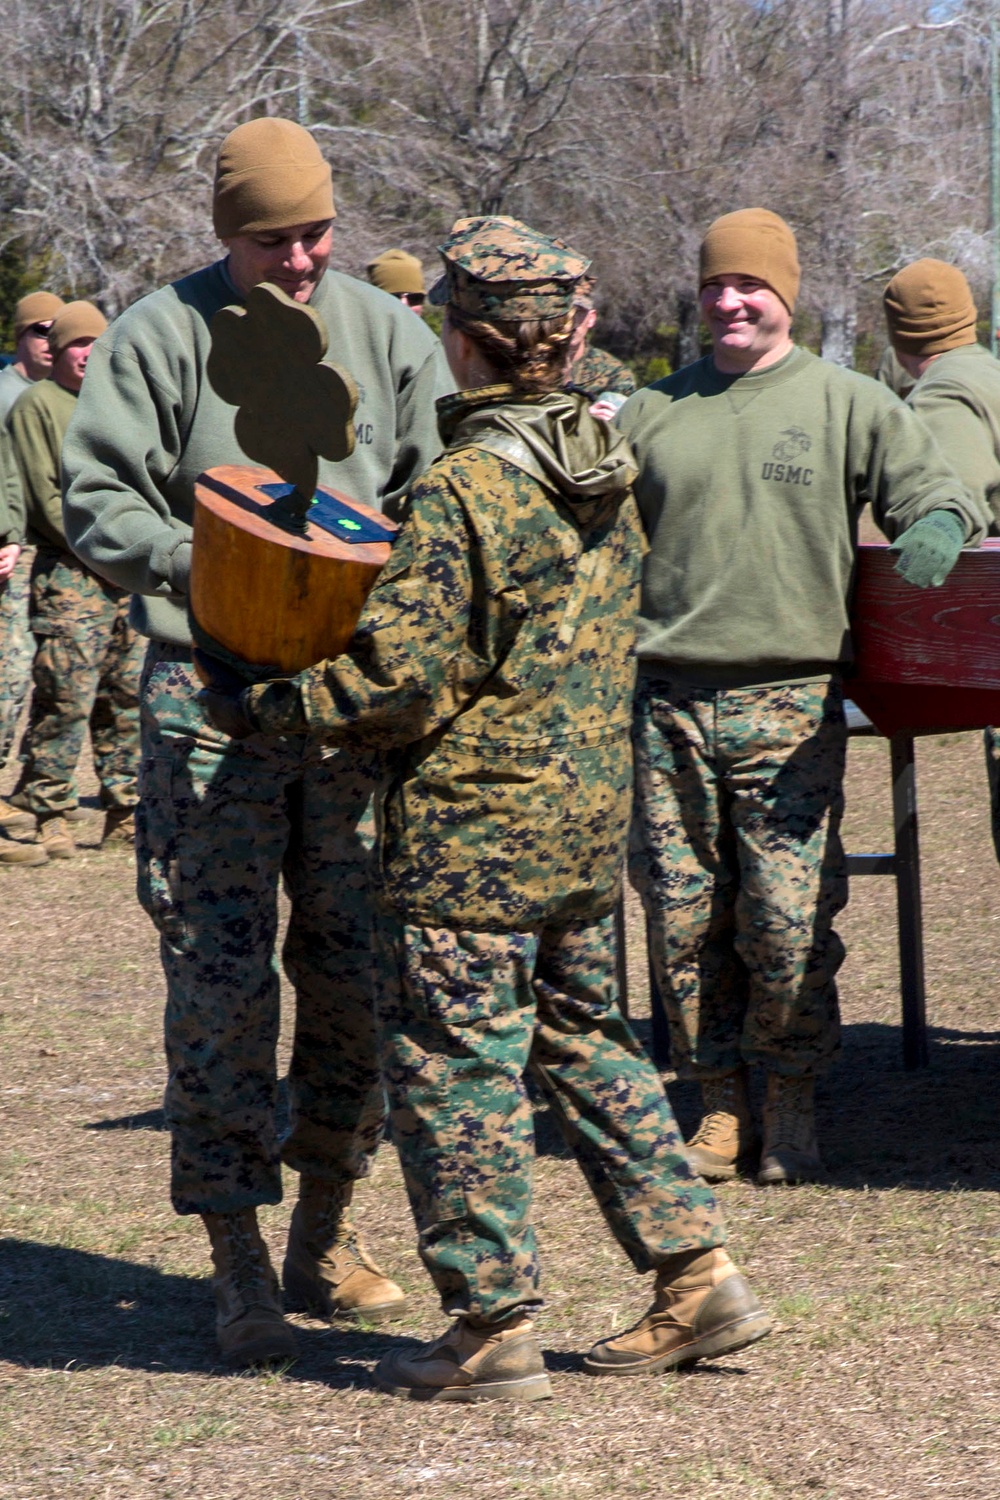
x=926, y=661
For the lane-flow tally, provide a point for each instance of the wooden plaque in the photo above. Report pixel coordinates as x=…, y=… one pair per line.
x=927, y=660
x=272, y=598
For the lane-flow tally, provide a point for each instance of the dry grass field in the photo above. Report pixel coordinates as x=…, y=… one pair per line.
x=881, y=1379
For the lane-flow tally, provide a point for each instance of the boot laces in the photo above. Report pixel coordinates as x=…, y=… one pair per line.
x=714, y=1128
x=248, y=1265
x=792, y=1124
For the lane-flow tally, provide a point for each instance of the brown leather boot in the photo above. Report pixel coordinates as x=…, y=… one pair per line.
x=53, y=840
x=15, y=819
x=702, y=1308
x=119, y=827
x=249, y=1324
x=790, y=1152
x=489, y=1362
x=327, y=1269
x=727, y=1134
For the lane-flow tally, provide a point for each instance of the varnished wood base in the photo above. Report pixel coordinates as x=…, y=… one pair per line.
x=270, y=597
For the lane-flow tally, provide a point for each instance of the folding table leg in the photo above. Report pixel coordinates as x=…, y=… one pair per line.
x=911, y=936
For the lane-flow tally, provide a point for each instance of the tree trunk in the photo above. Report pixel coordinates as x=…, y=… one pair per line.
x=688, y=317
x=839, y=312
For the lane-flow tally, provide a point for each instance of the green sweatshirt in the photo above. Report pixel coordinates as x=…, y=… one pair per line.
x=12, y=387
x=11, y=495
x=38, y=423
x=958, y=398
x=750, y=488
x=148, y=423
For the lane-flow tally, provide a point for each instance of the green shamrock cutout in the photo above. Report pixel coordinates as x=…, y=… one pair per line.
x=292, y=410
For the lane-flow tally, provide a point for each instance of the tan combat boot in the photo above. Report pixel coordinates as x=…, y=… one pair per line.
x=119, y=827
x=15, y=819
x=53, y=840
x=790, y=1152
x=249, y=1324
x=327, y=1269
x=487, y=1362
x=702, y=1308
x=727, y=1134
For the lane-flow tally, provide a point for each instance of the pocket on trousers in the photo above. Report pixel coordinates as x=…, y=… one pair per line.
x=452, y=978
x=158, y=880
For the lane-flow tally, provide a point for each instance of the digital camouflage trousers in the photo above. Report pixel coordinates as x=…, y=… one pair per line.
x=17, y=649
x=735, y=851
x=221, y=822
x=462, y=1014
x=86, y=672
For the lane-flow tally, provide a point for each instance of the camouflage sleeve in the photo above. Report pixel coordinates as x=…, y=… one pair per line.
x=410, y=667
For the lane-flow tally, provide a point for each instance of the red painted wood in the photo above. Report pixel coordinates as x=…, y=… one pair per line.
x=927, y=660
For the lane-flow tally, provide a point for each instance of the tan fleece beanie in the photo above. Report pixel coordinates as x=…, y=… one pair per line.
x=76, y=320
x=36, y=307
x=929, y=308
x=396, y=271
x=270, y=175
x=752, y=242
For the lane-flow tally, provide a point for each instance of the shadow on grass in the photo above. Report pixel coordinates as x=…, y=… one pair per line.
x=155, y=1119
x=879, y=1126
x=934, y=1129
x=149, y=1119
x=62, y=1308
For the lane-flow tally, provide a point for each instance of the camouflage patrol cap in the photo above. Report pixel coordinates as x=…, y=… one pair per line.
x=496, y=267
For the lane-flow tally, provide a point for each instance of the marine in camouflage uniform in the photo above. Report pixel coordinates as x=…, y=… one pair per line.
x=16, y=644
x=597, y=371
x=754, y=465
x=88, y=658
x=495, y=656
x=222, y=824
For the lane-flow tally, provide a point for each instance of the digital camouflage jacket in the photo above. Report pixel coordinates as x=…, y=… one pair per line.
x=494, y=656
x=597, y=371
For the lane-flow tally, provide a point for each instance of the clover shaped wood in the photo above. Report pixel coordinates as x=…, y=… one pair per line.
x=277, y=581
x=291, y=409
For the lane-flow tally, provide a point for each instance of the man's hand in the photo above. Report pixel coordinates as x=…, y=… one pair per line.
x=8, y=557
x=223, y=696
x=928, y=550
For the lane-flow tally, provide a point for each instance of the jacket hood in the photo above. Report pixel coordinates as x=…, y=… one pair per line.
x=584, y=459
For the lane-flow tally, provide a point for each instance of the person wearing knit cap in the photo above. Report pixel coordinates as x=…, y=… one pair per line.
x=401, y=275
x=32, y=361
x=754, y=464
x=89, y=659
x=495, y=917
x=222, y=823
x=931, y=318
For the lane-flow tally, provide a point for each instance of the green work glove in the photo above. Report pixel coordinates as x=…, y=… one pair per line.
x=928, y=550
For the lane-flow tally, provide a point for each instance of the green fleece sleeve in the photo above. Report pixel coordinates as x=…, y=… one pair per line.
x=418, y=440
x=409, y=669
x=961, y=434
x=37, y=447
x=122, y=445
x=12, y=517
x=907, y=476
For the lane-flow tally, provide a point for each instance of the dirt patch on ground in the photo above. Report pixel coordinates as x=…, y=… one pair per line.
x=881, y=1380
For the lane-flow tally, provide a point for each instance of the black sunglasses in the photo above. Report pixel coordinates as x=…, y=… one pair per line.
x=40, y=329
